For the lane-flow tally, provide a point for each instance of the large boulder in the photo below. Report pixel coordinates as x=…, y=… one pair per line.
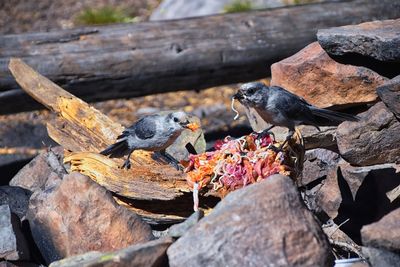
x=375, y=139
x=264, y=223
x=77, y=216
x=379, y=40
x=323, y=82
x=384, y=234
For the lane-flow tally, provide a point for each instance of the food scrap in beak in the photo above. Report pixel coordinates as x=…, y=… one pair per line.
x=192, y=126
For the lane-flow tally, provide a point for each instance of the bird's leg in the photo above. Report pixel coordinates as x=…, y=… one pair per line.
x=288, y=137
x=127, y=162
x=171, y=160
x=265, y=132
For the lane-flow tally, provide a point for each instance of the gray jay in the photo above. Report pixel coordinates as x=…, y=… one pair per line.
x=152, y=133
x=280, y=107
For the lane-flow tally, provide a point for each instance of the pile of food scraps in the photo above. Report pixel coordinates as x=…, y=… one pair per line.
x=236, y=163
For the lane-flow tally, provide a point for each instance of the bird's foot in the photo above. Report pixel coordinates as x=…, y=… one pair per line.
x=127, y=164
x=168, y=159
x=266, y=132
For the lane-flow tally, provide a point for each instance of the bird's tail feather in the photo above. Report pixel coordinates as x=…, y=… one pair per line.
x=117, y=150
x=333, y=115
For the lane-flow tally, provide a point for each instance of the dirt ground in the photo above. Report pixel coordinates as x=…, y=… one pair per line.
x=17, y=16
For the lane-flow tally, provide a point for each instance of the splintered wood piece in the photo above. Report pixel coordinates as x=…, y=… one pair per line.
x=140, y=183
x=85, y=131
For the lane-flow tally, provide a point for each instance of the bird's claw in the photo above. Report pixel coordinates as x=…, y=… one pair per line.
x=126, y=165
x=264, y=134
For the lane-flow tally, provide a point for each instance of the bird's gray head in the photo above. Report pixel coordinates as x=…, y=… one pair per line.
x=178, y=121
x=251, y=94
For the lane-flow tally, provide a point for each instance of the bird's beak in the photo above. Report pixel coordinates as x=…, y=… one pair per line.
x=190, y=125
x=239, y=95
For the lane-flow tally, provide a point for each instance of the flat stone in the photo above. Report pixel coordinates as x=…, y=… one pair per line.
x=35, y=174
x=375, y=139
x=323, y=82
x=16, y=198
x=376, y=39
x=13, y=245
x=383, y=234
x=78, y=207
x=152, y=253
x=261, y=223
x=389, y=93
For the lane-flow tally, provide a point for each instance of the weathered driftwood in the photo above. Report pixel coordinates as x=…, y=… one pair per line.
x=137, y=59
x=83, y=131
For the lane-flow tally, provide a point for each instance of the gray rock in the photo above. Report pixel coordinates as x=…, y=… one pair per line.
x=264, y=223
x=16, y=198
x=13, y=245
x=377, y=39
x=78, y=216
x=381, y=257
x=152, y=254
x=389, y=93
x=384, y=234
x=176, y=9
x=178, y=230
x=35, y=174
x=318, y=162
x=375, y=139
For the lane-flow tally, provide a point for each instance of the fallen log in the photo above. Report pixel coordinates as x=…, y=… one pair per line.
x=132, y=60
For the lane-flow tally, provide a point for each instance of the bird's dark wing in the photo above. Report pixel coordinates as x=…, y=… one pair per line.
x=290, y=94
x=295, y=108
x=144, y=128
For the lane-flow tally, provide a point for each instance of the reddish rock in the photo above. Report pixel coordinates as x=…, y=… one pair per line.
x=35, y=174
x=328, y=197
x=379, y=40
x=375, y=139
x=262, y=223
x=78, y=216
x=323, y=82
x=389, y=93
x=384, y=234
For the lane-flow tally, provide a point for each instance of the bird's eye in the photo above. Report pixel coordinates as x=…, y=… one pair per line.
x=251, y=91
x=176, y=119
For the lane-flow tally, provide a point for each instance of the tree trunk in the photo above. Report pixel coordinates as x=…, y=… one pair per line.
x=130, y=60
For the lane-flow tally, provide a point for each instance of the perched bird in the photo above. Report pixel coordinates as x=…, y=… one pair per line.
x=280, y=107
x=152, y=133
